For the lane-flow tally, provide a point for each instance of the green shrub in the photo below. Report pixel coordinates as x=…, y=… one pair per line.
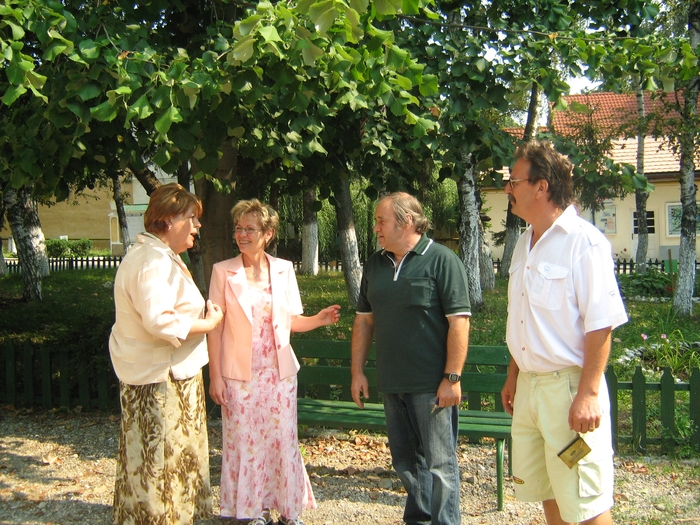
x=652, y=283
x=57, y=248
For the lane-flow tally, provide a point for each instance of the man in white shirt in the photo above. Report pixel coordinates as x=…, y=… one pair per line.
x=563, y=303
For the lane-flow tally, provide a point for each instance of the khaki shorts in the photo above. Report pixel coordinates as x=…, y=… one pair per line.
x=541, y=430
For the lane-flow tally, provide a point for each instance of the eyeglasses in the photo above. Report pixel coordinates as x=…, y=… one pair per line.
x=249, y=231
x=512, y=182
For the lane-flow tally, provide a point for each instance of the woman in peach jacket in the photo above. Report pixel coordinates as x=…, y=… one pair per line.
x=253, y=371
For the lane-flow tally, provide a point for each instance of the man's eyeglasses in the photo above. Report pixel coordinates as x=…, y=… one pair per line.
x=249, y=231
x=512, y=182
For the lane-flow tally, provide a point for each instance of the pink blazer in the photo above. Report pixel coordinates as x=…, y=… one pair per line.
x=233, y=338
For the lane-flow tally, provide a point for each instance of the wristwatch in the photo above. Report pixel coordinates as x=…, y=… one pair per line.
x=452, y=378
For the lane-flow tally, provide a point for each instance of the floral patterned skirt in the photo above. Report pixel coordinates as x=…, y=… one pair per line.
x=163, y=458
x=262, y=467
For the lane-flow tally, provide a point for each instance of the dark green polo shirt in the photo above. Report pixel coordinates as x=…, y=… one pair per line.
x=410, y=303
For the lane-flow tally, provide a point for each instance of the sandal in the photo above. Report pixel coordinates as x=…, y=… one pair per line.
x=293, y=521
x=265, y=519
x=259, y=521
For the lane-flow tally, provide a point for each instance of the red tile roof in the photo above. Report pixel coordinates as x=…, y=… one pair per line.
x=610, y=112
x=615, y=114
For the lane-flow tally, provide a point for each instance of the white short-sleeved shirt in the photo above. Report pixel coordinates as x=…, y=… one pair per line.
x=558, y=291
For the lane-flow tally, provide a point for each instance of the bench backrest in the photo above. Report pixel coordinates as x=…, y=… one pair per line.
x=325, y=372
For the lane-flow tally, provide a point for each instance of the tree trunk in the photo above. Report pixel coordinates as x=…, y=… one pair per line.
x=469, y=236
x=309, y=235
x=23, y=217
x=487, y=278
x=683, y=296
x=371, y=236
x=352, y=270
x=121, y=214
x=194, y=254
x=147, y=179
x=640, y=196
x=216, y=234
x=513, y=222
x=3, y=264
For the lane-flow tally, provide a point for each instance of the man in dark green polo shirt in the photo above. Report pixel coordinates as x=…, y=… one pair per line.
x=414, y=302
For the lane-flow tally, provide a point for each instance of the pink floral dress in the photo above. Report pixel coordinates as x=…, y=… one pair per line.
x=262, y=467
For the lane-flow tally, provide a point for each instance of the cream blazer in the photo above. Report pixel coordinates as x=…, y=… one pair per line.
x=233, y=337
x=156, y=302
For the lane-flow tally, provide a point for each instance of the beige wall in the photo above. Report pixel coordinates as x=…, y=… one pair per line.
x=87, y=216
x=81, y=218
x=619, y=226
x=84, y=217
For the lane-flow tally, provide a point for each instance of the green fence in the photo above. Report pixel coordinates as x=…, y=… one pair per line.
x=668, y=407
x=34, y=376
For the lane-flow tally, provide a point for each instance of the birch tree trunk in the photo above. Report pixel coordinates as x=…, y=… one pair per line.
x=469, y=237
x=513, y=222
x=3, y=264
x=309, y=234
x=487, y=278
x=118, y=197
x=640, y=196
x=683, y=296
x=23, y=217
x=349, y=255
x=486, y=274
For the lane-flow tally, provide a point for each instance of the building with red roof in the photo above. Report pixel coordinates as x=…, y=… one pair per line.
x=614, y=115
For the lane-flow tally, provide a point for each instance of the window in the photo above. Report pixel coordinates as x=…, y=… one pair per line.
x=651, y=223
x=673, y=214
x=606, y=219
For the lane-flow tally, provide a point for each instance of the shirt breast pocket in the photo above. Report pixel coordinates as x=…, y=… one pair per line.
x=548, y=288
x=420, y=292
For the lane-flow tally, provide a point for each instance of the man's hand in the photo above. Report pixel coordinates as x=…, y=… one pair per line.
x=508, y=393
x=449, y=394
x=585, y=413
x=359, y=389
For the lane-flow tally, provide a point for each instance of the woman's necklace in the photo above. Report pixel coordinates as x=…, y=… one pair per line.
x=254, y=271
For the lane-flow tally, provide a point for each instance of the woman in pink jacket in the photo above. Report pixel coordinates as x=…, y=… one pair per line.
x=252, y=370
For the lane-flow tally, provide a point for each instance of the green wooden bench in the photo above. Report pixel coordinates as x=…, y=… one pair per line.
x=325, y=399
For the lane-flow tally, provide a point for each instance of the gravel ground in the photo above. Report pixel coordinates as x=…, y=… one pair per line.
x=58, y=468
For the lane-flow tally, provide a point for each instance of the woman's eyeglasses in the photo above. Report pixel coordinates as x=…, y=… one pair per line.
x=249, y=231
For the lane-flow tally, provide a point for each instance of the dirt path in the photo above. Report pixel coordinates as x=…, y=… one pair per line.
x=58, y=468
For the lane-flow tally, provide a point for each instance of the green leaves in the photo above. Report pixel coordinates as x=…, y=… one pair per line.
x=171, y=115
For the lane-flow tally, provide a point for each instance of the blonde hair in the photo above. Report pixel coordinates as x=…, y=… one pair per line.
x=266, y=214
x=166, y=202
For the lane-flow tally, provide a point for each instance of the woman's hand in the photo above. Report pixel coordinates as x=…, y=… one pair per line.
x=214, y=313
x=329, y=315
x=217, y=390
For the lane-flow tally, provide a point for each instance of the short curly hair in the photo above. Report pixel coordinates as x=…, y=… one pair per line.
x=266, y=214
